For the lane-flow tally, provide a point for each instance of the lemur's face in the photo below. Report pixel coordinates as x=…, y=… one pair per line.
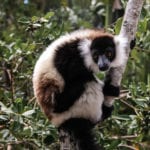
x=103, y=51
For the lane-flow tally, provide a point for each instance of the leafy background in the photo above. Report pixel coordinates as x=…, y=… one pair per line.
x=26, y=28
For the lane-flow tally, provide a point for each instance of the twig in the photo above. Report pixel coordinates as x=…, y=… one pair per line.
x=12, y=85
x=127, y=146
x=32, y=99
x=124, y=137
x=129, y=105
x=25, y=143
x=142, y=50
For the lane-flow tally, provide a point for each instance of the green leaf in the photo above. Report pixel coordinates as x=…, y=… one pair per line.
x=142, y=26
x=35, y=19
x=28, y=113
x=141, y=102
x=31, y=47
x=49, y=15
x=5, y=109
x=36, y=25
x=3, y=118
x=43, y=20
x=18, y=100
x=24, y=20
x=114, y=144
x=134, y=55
x=27, y=131
x=16, y=126
x=118, y=25
x=121, y=117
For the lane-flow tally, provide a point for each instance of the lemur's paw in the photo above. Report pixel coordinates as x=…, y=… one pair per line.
x=110, y=90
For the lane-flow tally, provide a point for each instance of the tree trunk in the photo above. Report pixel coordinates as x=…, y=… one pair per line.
x=128, y=30
x=67, y=141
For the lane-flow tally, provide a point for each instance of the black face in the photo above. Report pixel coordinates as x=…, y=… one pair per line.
x=103, y=52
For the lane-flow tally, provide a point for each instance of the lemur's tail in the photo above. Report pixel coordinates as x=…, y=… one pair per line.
x=81, y=130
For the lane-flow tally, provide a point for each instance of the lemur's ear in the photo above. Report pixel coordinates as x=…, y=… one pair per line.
x=132, y=43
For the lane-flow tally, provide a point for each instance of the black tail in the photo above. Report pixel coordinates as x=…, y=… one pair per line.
x=81, y=130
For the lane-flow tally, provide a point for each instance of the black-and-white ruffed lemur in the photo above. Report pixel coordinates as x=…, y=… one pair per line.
x=65, y=84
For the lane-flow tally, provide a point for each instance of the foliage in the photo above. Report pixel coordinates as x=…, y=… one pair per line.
x=128, y=128
x=25, y=31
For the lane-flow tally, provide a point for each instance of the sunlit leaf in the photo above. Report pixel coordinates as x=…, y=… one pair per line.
x=49, y=15
x=5, y=109
x=28, y=113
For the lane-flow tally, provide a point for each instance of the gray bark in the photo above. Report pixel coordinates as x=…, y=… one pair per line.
x=128, y=30
x=67, y=141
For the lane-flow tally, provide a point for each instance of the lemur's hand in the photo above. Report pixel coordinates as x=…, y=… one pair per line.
x=132, y=43
x=107, y=111
x=111, y=90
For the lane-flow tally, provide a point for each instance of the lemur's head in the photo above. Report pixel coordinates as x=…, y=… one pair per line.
x=108, y=51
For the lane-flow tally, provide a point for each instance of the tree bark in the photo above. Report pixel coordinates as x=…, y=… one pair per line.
x=67, y=141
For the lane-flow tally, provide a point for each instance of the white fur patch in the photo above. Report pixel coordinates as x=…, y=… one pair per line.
x=79, y=34
x=88, y=106
x=84, y=46
x=121, y=45
x=109, y=101
x=45, y=68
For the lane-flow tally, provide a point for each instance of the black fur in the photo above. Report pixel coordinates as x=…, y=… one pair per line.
x=102, y=44
x=81, y=130
x=107, y=111
x=133, y=43
x=110, y=90
x=70, y=65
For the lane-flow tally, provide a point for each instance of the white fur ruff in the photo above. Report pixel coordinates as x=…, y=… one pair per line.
x=121, y=44
x=84, y=47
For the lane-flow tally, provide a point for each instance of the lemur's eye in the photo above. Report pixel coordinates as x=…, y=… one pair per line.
x=109, y=53
x=95, y=55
